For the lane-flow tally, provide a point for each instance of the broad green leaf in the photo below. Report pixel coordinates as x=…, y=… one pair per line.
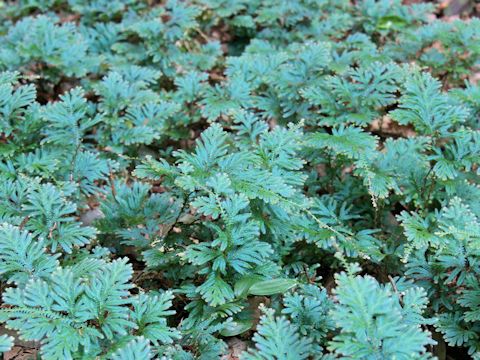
x=236, y=328
x=244, y=284
x=271, y=287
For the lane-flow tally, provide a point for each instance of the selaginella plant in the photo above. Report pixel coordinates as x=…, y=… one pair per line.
x=215, y=179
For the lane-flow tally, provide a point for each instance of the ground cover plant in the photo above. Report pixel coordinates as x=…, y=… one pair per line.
x=225, y=179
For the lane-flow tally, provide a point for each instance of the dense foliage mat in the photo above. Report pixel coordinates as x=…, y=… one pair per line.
x=300, y=176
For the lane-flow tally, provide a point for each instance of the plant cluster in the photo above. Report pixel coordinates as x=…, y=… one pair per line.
x=301, y=175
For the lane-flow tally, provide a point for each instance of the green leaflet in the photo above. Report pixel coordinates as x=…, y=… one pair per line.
x=271, y=287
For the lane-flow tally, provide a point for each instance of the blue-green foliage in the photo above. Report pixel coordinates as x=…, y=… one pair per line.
x=6, y=343
x=168, y=167
x=23, y=258
x=44, y=41
x=377, y=323
x=277, y=338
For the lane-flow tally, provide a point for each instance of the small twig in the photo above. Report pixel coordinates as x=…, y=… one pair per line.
x=24, y=222
x=112, y=183
x=78, y=142
x=394, y=286
x=182, y=209
x=426, y=177
x=50, y=232
x=203, y=35
x=74, y=162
